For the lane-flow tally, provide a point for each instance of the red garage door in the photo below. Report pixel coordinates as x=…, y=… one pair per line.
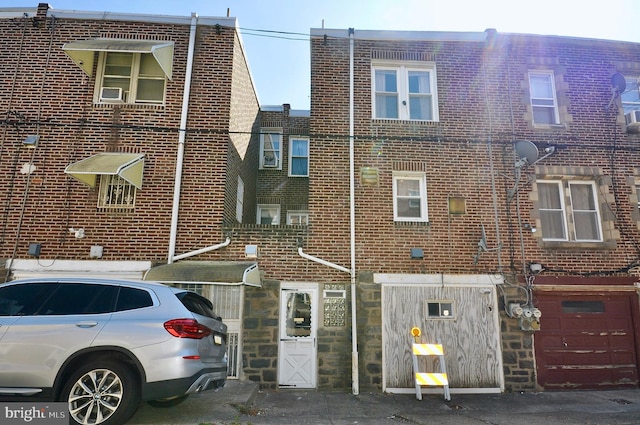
x=586, y=342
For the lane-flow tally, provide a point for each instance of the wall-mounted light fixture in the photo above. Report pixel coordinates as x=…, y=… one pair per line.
x=78, y=233
x=31, y=141
x=535, y=267
x=527, y=226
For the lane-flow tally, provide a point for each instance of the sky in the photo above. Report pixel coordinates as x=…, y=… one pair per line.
x=275, y=32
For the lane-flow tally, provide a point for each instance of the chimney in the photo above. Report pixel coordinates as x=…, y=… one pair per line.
x=42, y=11
x=286, y=108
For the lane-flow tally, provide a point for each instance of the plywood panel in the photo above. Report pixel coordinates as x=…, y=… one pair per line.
x=470, y=339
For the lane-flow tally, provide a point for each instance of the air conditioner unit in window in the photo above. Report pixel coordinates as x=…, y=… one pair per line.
x=111, y=94
x=633, y=120
x=270, y=161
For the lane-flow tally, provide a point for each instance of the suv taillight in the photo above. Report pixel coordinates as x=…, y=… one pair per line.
x=187, y=328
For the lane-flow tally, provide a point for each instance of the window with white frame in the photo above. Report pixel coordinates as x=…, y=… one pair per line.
x=544, y=102
x=116, y=193
x=631, y=96
x=298, y=218
x=240, y=200
x=410, y=197
x=271, y=149
x=126, y=77
x=268, y=214
x=569, y=211
x=298, y=157
x=405, y=91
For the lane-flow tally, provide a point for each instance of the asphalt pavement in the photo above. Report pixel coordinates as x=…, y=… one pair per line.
x=242, y=403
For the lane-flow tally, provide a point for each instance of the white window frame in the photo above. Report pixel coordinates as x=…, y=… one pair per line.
x=631, y=96
x=129, y=95
x=595, y=212
x=569, y=214
x=544, y=102
x=293, y=139
x=403, y=103
x=274, y=207
x=266, y=133
x=303, y=217
x=240, y=200
x=420, y=197
x=110, y=183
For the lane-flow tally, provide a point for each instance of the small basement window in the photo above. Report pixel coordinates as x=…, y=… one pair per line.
x=439, y=310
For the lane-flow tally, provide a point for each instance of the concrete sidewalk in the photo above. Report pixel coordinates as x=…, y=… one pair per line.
x=240, y=403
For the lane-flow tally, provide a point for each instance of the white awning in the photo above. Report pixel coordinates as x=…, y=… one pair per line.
x=83, y=52
x=129, y=166
x=206, y=272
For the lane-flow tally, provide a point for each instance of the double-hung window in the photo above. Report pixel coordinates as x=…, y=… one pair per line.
x=569, y=211
x=298, y=157
x=544, y=102
x=405, y=92
x=131, y=78
x=271, y=149
x=410, y=197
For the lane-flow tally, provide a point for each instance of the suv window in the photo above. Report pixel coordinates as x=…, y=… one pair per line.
x=23, y=300
x=79, y=298
x=132, y=298
x=197, y=304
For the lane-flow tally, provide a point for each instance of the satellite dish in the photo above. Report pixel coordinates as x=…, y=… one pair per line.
x=618, y=82
x=526, y=151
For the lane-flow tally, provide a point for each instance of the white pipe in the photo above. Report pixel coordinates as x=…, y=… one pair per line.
x=323, y=262
x=181, y=138
x=202, y=250
x=355, y=382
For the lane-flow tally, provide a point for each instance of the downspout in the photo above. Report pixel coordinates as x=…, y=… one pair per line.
x=354, y=332
x=352, y=271
x=181, y=138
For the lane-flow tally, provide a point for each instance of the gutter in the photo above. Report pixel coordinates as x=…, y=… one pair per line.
x=181, y=138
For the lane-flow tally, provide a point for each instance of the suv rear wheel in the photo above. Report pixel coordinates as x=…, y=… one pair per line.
x=101, y=392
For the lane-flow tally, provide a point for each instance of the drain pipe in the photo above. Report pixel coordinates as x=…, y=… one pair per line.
x=354, y=332
x=321, y=261
x=181, y=138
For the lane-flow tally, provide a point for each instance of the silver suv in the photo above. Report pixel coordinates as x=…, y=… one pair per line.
x=105, y=345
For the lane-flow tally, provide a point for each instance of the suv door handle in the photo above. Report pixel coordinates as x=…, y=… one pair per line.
x=86, y=324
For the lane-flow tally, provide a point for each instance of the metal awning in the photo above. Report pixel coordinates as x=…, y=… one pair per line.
x=206, y=272
x=129, y=166
x=83, y=52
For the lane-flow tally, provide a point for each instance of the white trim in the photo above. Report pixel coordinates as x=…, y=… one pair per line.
x=291, y=156
x=421, y=177
x=275, y=220
x=80, y=268
x=396, y=279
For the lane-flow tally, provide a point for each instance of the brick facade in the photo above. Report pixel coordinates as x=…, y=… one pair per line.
x=467, y=155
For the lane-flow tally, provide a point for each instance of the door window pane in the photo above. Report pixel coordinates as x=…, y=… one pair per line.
x=298, y=314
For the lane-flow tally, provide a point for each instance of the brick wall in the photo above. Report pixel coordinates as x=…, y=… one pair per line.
x=47, y=94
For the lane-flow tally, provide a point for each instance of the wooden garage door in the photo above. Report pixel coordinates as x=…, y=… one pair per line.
x=586, y=342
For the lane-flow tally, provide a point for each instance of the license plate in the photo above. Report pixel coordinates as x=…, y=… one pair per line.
x=217, y=339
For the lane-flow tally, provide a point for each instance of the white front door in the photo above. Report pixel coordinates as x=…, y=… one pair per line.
x=297, y=365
